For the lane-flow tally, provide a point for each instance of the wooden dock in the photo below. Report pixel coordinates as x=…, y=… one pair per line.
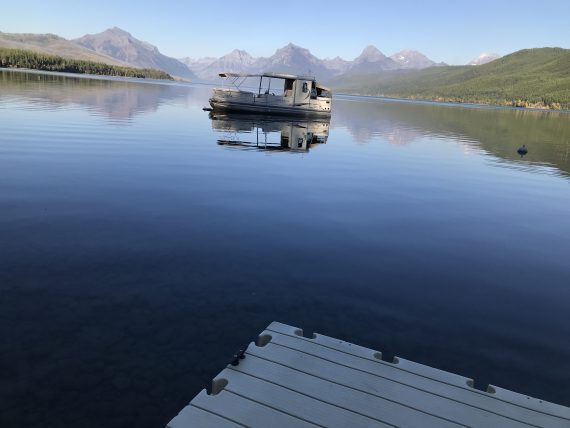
x=287, y=380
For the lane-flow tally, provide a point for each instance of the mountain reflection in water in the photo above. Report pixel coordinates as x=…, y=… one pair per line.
x=270, y=133
x=497, y=131
x=117, y=100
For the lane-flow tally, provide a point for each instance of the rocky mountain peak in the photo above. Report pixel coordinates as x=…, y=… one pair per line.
x=120, y=44
x=484, y=58
x=293, y=46
x=238, y=53
x=370, y=54
x=117, y=30
x=290, y=50
x=114, y=33
x=409, y=58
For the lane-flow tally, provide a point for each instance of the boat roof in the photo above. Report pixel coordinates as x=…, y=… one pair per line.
x=276, y=76
x=269, y=74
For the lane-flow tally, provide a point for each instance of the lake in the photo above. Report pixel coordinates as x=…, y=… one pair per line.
x=144, y=242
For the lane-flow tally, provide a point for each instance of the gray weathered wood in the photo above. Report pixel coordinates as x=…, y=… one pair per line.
x=363, y=352
x=517, y=399
x=191, y=416
x=478, y=399
x=381, y=387
x=292, y=402
x=246, y=412
x=293, y=381
x=380, y=409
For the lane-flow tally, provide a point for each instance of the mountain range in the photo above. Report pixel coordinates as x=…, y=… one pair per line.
x=113, y=46
x=296, y=59
x=118, y=47
x=527, y=78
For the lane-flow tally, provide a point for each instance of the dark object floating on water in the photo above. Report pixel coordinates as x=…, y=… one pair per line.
x=207, y=108
x=522, y=150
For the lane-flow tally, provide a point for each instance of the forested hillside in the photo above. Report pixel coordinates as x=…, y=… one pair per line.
x=18, y=58
x=527, y=78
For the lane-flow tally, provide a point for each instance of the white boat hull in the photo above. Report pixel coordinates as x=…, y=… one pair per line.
x=241, y=101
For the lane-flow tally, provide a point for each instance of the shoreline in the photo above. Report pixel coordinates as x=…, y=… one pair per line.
x=182, y=82
x=452, y=103
x=145, y=80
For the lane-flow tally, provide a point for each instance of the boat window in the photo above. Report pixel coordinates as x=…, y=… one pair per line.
x=305, y=87
x=288, y=90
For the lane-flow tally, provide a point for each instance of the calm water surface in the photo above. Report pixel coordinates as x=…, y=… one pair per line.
x=143, y=243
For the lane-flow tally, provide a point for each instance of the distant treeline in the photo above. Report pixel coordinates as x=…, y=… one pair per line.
x=537, y=78
x=19, y=58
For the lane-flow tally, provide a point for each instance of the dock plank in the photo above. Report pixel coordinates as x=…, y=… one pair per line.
x=407, y=395
x=360, y=351
x=479, y=399
x=290, y=380
x=379, y=409
x=290, y=401
x=246, y=412
x=514, y=398
x=193, y=416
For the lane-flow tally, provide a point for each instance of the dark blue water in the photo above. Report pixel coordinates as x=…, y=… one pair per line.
x=139, y=252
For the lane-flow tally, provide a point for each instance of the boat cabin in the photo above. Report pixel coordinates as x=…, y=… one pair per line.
x=274, y=93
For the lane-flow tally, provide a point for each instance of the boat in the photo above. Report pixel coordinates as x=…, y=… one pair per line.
x=297, y=95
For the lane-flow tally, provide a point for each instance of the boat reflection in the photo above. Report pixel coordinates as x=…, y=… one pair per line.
x=270, y=133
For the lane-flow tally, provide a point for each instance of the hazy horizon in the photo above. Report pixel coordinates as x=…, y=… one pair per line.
x=454, y=33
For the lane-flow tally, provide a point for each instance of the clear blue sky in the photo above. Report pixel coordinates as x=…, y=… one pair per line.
x=450, y=31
